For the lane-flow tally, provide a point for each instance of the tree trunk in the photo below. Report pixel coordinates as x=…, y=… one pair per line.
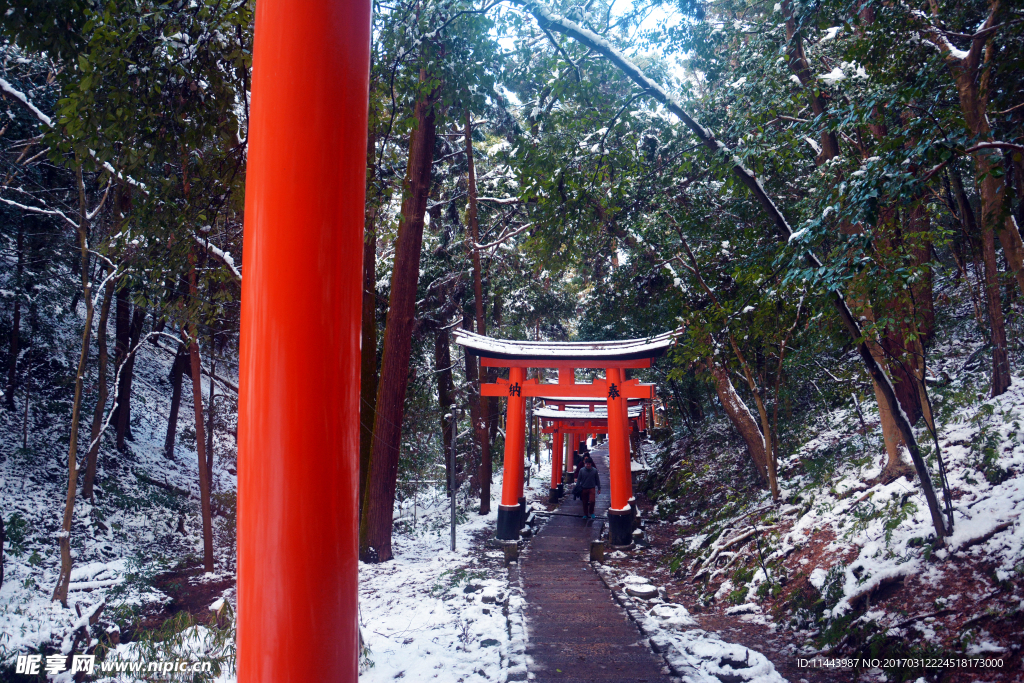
x=1000, y=358
x=12, y=359
x=969, y=226
x=481, y=423
x=60, y=591
x=740, y=416
x=124, y=391
x=770, y=458
x=475, y=402
x=445, y=391
x=197, y=400
x=180, y=366
x=368, y=359
x=801, y=68
x=494, y=412
x=122, y=342
x=101, y=401
x=918, y=226
x=378, y=505
x=972, y=74
x=210, y=414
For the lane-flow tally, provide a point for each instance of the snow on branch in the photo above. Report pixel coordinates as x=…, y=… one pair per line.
x=117, y=174
x=500, y=200
x=548, y=20
x=9, y=89
x=44, y=212
x=504, y=238
x=981, y=145
x=221, y=255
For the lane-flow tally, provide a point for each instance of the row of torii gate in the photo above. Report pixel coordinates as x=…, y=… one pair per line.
x=573, y=412
x=299, y=358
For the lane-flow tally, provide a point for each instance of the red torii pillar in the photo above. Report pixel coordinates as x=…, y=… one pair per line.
x=513, y=504
x=620, y=513
x=298, y=408
x=556, y=466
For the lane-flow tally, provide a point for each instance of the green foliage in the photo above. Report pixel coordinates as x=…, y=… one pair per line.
x=16, y=531
x=182, y=638
x=738, y=596
x=450, y=579
x=743, y=575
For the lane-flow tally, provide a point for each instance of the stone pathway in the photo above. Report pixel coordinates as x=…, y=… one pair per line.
x=577, y=633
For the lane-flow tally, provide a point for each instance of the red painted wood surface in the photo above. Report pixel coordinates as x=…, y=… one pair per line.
x=556, y=459
x=515, y=424
x=599, y=388
x=619, y=474
x=298, y=437
x=563, y=365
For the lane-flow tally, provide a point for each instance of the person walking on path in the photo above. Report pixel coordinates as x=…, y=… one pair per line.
x=589, y=482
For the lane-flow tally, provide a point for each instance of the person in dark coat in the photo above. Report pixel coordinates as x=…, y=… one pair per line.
x=589, y=483
x=580, y=464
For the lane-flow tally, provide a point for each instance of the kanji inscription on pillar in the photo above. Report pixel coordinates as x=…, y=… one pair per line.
x=613, y=391
x=515, y=389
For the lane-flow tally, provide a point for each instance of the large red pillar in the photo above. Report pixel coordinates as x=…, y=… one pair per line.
x=509, y=517
x=556, y=465
x=620, y=519
x=298, y=410
x=627, y=465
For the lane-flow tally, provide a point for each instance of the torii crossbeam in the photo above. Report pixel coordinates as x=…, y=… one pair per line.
x=566, y=357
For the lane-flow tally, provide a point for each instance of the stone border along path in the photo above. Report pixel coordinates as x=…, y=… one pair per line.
x=577, y=633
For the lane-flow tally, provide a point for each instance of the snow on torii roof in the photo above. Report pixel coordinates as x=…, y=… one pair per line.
x=576, y=414
x=578, y=400
x=627, y=349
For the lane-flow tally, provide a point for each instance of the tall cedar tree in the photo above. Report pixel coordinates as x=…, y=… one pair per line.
x=378, y=505
x=483, y=410
x=368, y=359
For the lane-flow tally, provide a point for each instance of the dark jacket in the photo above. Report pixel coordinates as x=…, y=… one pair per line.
x=589, y=478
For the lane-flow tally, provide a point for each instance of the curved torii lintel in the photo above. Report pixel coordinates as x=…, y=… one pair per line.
x=540, y=354
x=580, y=414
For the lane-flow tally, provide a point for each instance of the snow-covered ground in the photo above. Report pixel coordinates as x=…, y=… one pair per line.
x=144, y=519
x=696, y=655
x=433, y=614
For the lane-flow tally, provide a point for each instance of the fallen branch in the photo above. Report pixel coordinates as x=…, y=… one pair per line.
x=986, y=536
x=145, y=479
x=719, y=550
x=882, y=583
x=919, y=617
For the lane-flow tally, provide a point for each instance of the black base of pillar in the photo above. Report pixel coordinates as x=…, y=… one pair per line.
x=522, y=512
x=508, y=522
x=561, y=490
x=569, y=477
x=554, y=496
x=620, y=527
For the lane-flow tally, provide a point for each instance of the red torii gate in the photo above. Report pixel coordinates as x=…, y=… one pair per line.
x=566, y=402
x=577, y=423
x=566, y=357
